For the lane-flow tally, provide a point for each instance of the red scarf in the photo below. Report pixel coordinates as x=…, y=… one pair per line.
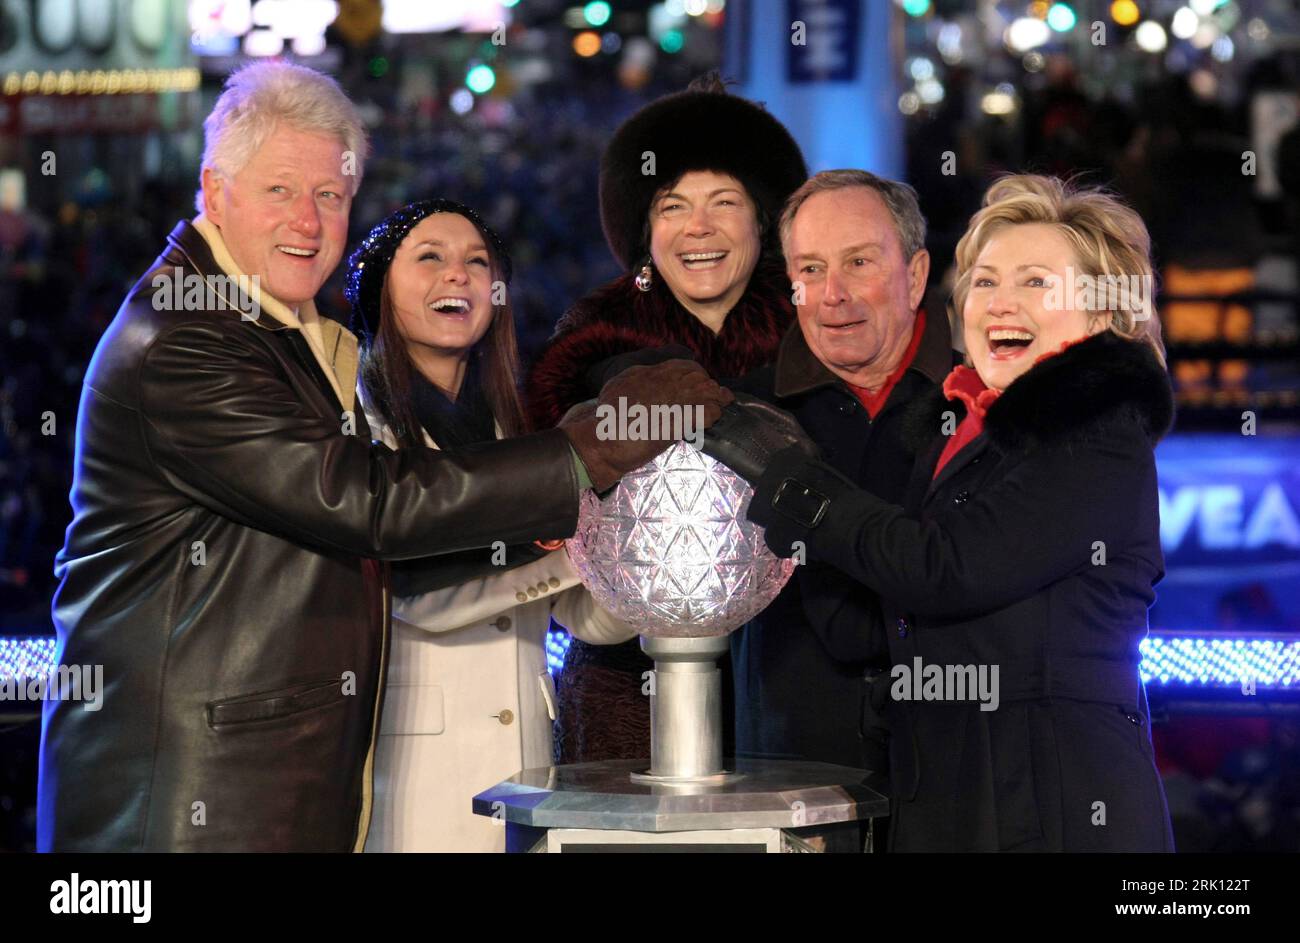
x=875, y=402
x=965, y=384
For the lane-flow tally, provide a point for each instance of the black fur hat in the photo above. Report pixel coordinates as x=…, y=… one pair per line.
x=702, y=128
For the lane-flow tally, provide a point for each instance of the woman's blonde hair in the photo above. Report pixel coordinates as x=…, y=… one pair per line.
x=1109, y=239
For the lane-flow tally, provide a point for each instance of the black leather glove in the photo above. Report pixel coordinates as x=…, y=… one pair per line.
x=793, y=497
x=750, y=433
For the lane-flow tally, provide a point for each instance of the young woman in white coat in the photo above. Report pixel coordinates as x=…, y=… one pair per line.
x=469, y=700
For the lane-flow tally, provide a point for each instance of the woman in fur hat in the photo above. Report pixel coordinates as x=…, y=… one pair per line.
x=690, y=188
x=469, y=699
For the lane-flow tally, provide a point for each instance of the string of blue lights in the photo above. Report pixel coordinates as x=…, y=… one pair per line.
x=1167, y=659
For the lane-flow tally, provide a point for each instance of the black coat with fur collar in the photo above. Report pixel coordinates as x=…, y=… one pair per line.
x=1033, y=552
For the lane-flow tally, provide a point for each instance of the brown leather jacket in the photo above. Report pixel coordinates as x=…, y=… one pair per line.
x=243, y=675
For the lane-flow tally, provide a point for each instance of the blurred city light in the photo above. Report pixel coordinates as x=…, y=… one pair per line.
x=672, y=41
x=480, y=79
x=949, y=43
x=1184, y=23
x=596, y=13
x=1150, y=37
x=930, y=90
x=423, y=16
x=1061, y=17
x=1125, y=12
x=997, y=103
x=461, y=101
x=263, y=42
x=1027, y=32
x=1205, y=35
x=586, y=44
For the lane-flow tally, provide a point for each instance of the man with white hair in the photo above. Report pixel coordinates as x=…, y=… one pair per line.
x=231, y=514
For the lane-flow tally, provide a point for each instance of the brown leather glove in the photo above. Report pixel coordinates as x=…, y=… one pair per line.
x=608, y=438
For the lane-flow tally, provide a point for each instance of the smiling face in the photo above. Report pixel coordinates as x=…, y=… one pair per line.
x=860, y=294
x=440, y=284
x=1018, y=306
x=284, y=215
x=704, y=239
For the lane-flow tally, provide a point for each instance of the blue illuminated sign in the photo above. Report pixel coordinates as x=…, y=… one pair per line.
x=823, y=43
x=1230, y=529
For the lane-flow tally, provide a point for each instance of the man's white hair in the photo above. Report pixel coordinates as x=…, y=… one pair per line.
x=259, y=96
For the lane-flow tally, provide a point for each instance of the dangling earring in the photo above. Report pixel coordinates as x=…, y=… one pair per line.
x=645, y=278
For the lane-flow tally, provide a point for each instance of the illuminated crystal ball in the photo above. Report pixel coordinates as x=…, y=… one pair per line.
x=669, y=550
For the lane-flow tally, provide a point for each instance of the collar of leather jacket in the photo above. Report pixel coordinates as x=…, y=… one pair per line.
x=798, y=370
x=186, y=246
x=331, y=343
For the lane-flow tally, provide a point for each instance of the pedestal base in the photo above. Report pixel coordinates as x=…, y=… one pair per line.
x=768, y=805
x=716, y=779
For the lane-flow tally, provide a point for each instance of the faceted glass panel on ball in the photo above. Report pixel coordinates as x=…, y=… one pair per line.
x=669, y=550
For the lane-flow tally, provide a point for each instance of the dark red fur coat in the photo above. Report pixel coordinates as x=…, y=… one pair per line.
x=618, y=317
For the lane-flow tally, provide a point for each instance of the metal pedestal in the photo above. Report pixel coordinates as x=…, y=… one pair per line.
x=765, y=806
x=686, y=711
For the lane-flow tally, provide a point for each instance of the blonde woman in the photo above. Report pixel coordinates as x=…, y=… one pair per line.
x=1014, y=581
x=469, y=700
